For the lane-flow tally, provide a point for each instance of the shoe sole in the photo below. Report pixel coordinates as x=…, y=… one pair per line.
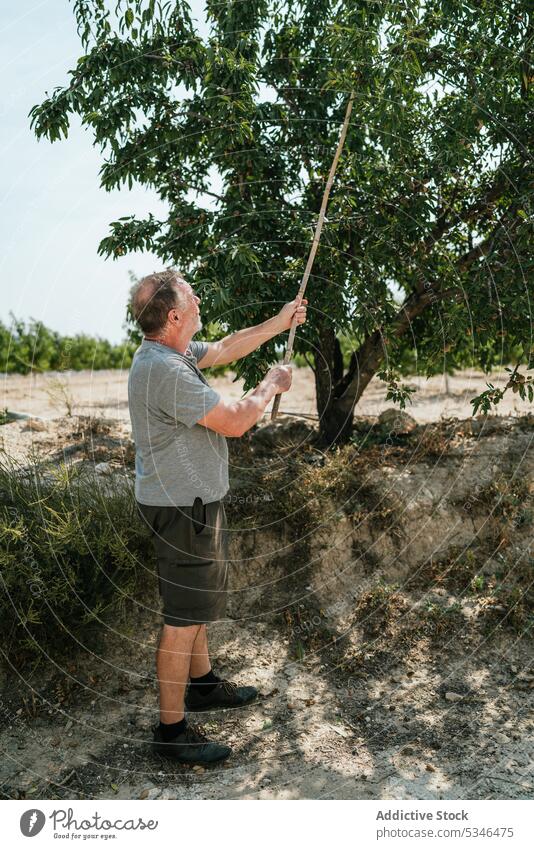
x=220, y=707
x=200, y=762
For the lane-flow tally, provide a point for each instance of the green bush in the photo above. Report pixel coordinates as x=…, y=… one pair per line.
x=73, y=559
x=27, y=347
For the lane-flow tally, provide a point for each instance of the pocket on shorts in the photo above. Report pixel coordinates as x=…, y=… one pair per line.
x=208, y=544
x=199, y=516
x=176, y=540
x=173, y=535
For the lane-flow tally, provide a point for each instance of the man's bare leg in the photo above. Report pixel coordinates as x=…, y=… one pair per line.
x=173, y=660
x=200, y=660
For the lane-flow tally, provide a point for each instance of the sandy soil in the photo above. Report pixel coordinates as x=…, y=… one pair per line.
x=312, y=734
x=104, y=393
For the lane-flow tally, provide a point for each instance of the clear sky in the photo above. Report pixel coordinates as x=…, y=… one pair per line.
x=53, y=211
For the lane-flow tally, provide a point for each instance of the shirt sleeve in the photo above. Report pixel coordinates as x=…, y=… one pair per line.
x=184, y=397
x=198, y=349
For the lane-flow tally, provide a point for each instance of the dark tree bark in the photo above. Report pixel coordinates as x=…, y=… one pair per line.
x=338, y=403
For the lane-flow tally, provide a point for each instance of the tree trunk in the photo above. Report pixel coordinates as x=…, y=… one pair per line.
x=328, y=367
x=338, y=393
x=335, y=424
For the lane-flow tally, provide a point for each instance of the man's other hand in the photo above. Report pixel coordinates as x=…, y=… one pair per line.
x=292, y=309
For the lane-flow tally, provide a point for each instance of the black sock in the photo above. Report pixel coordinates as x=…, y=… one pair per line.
x=172, y=729
x=205, y=684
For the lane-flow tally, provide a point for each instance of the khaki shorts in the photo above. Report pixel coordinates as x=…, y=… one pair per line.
x=191, y=548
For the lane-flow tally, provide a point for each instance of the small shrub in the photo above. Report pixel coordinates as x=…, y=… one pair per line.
x=73, y=559
x=438, y=620
x=379, y=609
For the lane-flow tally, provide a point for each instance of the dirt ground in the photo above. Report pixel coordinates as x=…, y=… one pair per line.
x=104, y=393
x=449, y=718
x=313, y=733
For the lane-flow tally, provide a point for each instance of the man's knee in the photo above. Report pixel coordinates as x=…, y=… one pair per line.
x=180, y=634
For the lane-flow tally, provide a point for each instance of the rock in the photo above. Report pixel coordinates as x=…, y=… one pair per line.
x=430, y=768
x=502, y=739
x=396, y=421
x=364, y=423
x=453, y=697
x=35, y=424
x=103, y=468
x=338, y=729
x=282, y=432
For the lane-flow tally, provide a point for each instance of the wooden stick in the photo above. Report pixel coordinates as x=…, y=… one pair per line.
x=315, y=243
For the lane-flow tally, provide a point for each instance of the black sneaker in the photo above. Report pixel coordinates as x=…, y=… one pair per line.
x=191, y=747
x=225, y=694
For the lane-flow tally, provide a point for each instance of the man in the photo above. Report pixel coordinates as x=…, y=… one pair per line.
x=179, y=426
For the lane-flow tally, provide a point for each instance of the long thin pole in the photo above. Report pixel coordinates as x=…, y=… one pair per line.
x=315, y=243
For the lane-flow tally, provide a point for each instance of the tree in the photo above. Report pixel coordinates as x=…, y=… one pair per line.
x=27, y=347
x=425, y=249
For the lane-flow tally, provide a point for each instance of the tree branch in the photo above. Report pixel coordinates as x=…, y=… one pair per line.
x=294, y=109
x=189, y=186
x=365, y=362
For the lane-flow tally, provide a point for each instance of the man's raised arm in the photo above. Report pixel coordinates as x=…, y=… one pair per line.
x=242, y=342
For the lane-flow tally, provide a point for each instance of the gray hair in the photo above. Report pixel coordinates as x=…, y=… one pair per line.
x=153, y=297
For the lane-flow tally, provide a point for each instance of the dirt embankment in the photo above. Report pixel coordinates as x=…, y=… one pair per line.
x=381, y=600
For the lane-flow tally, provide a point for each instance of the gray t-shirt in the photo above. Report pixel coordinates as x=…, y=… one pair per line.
x=176, y=459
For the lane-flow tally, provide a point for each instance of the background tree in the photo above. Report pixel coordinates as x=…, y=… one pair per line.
x=424, y=256
x=32, y=347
